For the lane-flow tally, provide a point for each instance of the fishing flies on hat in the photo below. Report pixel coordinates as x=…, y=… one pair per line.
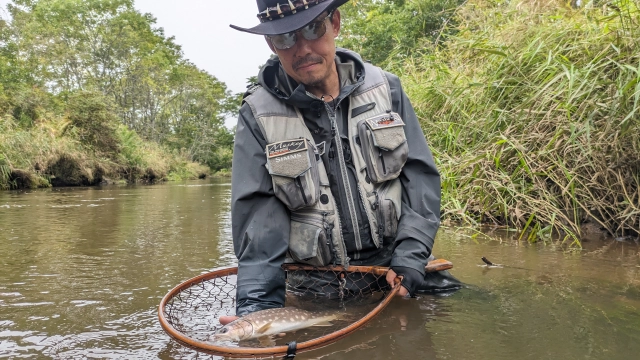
x=286, y=16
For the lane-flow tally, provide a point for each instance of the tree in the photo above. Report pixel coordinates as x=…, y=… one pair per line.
x=68, y=47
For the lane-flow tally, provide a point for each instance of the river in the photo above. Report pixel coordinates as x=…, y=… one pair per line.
x=82, y=271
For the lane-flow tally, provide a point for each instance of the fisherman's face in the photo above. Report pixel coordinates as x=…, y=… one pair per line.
x=312, y=62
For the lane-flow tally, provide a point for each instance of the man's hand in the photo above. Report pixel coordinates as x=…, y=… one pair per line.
x=224, y=320
x=391, y=277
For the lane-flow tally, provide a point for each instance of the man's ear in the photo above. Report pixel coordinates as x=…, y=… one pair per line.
x=335, y=22
x=270, y=44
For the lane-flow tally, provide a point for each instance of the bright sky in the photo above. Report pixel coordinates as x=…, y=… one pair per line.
x=201, y=27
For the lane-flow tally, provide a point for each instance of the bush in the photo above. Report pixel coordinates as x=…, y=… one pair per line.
x=95, y=124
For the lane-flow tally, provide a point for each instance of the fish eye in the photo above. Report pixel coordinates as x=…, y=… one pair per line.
x=223, y=331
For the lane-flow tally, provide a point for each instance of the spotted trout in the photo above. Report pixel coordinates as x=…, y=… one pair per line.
x=271, y=322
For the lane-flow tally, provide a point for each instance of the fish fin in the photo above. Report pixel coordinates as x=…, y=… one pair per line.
x=267, y=341
x=263, y=328
x=324, y=323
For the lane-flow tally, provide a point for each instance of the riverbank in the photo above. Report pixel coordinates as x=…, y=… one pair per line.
x=532, y=110
x=63, y=151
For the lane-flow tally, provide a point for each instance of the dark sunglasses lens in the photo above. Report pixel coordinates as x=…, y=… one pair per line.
x=283, y=41
x=314, y=31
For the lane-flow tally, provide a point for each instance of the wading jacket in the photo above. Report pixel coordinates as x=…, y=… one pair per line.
x=322, y=183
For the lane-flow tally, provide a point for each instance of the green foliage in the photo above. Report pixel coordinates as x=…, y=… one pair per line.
x=30, y=105
x=77, y=69
x=95, y=124
x=386, y=32
x=532, y=110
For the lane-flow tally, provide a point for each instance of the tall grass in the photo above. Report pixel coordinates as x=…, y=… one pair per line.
x=532, y=110
x=148, y=161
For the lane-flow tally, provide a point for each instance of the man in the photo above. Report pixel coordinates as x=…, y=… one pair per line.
x=330, y=164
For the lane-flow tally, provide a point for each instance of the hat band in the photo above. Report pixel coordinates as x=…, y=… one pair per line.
x=288, y=8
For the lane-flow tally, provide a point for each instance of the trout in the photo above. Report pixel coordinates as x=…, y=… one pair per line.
x=271, y=322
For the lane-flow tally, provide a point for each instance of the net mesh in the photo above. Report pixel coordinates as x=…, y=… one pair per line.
x=193, y=311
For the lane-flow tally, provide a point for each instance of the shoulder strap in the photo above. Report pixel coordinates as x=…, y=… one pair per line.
x=251, y=88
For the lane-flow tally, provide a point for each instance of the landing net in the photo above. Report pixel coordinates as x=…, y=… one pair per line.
x=190, y=312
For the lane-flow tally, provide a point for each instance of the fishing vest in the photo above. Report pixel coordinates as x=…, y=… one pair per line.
x=300, y=181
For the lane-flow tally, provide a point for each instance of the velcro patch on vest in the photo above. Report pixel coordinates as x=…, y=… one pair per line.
x=385, y=121
x=321, y=147
x=286, y=147
x=289, y=158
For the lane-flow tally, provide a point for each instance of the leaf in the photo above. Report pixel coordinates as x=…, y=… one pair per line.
x=492, y=51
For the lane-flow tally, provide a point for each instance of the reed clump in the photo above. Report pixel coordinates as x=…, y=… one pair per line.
x=532, y=111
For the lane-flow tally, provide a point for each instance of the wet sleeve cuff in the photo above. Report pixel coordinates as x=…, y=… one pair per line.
x=411, y=278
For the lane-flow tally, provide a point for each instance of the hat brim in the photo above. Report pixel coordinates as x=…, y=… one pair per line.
x=292, y=22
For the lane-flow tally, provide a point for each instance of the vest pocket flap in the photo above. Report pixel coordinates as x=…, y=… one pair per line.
x=388, y=131
x=289, y=158
x=293, y=167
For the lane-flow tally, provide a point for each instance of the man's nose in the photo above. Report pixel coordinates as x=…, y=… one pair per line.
x=303, y=46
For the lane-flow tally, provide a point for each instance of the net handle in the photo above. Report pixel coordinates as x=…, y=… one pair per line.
x=432, y=266
x=282, y=350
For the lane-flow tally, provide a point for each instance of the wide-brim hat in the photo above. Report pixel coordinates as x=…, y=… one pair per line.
x=284, y=16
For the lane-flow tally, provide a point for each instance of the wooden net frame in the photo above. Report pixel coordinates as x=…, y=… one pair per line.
x=214, y=292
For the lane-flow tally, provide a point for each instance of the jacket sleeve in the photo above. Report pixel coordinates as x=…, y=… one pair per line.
x=259, y=221
x=420, y=180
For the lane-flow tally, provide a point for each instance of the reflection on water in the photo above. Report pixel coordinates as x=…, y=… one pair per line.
x=83, y=271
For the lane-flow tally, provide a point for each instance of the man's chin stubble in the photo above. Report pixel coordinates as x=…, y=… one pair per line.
x=313, y=81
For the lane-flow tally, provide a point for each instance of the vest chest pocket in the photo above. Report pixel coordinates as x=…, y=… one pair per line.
x=384, y=146
x=294, y=170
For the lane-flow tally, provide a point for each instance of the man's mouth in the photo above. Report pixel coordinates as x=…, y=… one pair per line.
x=306, y=62
x=306, y=66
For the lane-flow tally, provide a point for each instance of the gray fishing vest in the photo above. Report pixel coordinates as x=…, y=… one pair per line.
x=300, y=179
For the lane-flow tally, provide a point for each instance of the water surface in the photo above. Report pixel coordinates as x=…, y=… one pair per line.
x=83, y=270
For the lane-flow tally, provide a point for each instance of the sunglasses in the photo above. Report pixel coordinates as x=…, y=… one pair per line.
x=313, y=31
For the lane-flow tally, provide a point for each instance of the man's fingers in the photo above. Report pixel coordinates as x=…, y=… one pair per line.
x=224, y=320
x=391, y=276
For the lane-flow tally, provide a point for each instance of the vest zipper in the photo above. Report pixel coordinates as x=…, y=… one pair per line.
x=378, y=207
x=345, y=181
x=299, y=185
x=384, y=167
x=328, y=229
x=314, y=211
x=366, y=215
